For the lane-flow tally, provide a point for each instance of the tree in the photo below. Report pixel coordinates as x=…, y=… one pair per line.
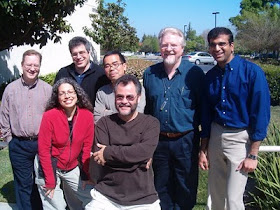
x=258, y=25
x=193, y=42
x=110, y=28
x=149, y=44
x=34, y=21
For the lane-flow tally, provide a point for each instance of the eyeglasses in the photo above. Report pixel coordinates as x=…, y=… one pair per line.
x=29, y=66
x=128, y=97
x=220, y=44
x=69, y=93
x=113, y=65
x=172, y=46
x=76, y=54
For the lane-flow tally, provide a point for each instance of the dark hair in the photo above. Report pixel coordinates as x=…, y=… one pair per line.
x=215, y=32
x=82, y=102
x=31, y=52
x=115, y=52
x=127, y=78
x=77, y=41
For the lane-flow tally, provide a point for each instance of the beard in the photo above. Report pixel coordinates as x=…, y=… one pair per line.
x=170, y=60
x=127, y=112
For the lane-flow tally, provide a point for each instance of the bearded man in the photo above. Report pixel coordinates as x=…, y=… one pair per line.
x=173, y=96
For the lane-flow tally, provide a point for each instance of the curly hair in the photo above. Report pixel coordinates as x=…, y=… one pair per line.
x=83, y=99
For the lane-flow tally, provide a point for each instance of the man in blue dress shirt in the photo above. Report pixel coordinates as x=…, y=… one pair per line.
x=173, y=96
x=235, y=116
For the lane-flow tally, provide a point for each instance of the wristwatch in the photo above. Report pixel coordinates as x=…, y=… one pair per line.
x=253, y=157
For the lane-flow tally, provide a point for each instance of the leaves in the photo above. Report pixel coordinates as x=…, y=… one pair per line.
x=258, y=25
x=110, y=28
x=33, y=21
x=267, y=174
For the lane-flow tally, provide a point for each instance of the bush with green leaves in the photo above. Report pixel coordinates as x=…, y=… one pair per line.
x=267, y=174
x=48, y=78
x=272, y=73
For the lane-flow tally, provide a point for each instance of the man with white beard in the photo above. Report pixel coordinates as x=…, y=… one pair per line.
x=173, y=96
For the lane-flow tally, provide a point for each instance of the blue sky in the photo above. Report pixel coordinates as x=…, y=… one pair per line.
x=149, y=16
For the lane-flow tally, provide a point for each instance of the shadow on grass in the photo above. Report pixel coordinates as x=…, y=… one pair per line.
x=7, y=192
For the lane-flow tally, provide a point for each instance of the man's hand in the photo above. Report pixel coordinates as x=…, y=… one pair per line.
x=203, y=160
x=98, y=156
x=149, y=163
x=248, y=165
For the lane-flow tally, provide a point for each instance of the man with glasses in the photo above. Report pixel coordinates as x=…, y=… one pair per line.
x=173, y=96
x=124, y=143
x=235, y=116
x=22, y=107
x=115, y=66
x=86, y=73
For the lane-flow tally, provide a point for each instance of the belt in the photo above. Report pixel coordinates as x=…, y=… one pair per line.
x=65, y=171
x=174, y=135
x=30, y=138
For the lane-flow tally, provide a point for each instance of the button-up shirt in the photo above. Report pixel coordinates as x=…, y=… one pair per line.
x=237, y=97
x=22, y=108
x=175, y=102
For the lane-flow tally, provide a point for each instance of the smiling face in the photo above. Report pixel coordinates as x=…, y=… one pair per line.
x=67, y=96
x=126, y=101
x=221, y=49
x=114, y=68
x=30, y=68
x=81, y=58
x=171, y=49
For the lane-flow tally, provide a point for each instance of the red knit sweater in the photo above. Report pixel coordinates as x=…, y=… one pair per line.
x=54, y=141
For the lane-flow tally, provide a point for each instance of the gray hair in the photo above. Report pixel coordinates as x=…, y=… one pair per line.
x=174, y=31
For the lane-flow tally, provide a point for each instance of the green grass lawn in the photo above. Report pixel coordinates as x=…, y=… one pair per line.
x=7, y=188
x=6, y=180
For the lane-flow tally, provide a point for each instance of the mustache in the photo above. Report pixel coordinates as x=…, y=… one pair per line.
x=124, y=105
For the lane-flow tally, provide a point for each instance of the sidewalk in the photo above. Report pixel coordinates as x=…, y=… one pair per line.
x=8, y=206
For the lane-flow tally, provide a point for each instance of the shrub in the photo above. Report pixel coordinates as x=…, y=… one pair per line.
x=272, y=73
x=48, y=78
x=267, y=174
x=137, y=67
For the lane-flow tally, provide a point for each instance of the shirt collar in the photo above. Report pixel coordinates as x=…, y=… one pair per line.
x=29, y=86
x=233, y=64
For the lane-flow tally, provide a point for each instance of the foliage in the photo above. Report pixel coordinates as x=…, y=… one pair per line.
x=137, y=67
x=33, y=21
x=193, y=42
x=267, y=174
x=110, y=28
x=258, y=25
x=49, y=78
x=149, y=44
x=272, y=73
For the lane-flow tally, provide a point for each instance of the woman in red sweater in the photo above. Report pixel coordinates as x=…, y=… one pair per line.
x=66, y=134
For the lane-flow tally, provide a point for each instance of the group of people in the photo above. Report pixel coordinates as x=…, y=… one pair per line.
x=102, y=140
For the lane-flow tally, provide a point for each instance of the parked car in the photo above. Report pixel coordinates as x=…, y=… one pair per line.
x=127, y=53
x=200, y=57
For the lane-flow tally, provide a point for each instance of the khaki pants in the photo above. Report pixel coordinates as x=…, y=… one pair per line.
x=227, y=149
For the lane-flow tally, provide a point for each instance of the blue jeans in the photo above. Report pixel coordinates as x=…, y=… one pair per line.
x=175, y=165
x=22, y=154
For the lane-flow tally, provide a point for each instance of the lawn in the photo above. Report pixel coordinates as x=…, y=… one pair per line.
x=6, y=181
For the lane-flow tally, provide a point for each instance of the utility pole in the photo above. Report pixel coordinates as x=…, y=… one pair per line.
x=215, y=13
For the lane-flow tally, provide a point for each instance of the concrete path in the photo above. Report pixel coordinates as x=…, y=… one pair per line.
x=8, y=206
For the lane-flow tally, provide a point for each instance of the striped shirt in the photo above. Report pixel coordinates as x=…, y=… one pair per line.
x=22, y=108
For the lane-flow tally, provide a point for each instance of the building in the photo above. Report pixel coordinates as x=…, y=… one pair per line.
x=55, y=55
